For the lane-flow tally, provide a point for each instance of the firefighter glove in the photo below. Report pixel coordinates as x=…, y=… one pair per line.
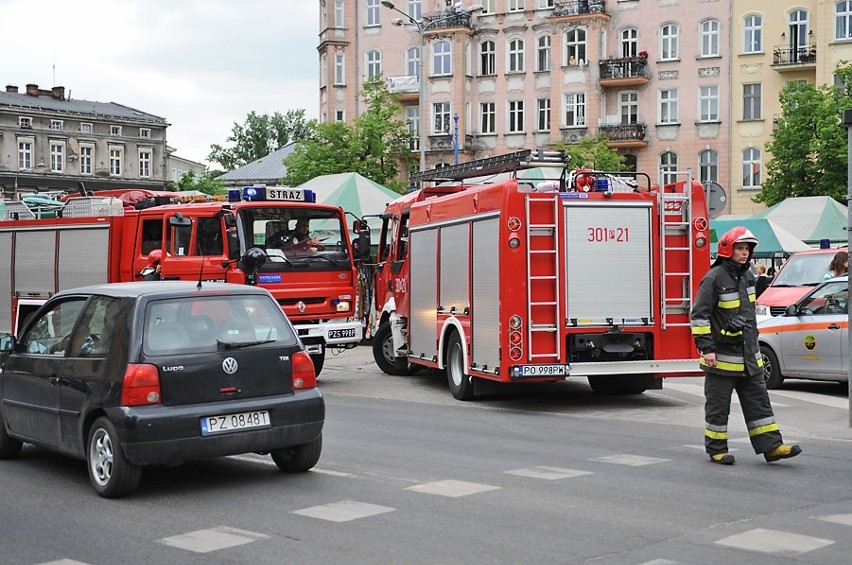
x=737, y=324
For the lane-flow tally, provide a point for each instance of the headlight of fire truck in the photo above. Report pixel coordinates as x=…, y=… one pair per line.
x=342, y=303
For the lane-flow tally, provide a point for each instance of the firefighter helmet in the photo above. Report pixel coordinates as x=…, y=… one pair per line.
x=738, y=234
x=155, y=257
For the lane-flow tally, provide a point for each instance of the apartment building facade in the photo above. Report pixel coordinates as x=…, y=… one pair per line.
x=50, y=142
x=653, y=76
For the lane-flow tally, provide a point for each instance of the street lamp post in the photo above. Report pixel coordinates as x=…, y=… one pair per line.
x=422, y=27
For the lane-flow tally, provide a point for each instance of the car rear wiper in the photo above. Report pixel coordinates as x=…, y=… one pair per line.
x=240, y=344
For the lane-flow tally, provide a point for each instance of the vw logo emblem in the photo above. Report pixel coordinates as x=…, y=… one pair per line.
x=229, y=365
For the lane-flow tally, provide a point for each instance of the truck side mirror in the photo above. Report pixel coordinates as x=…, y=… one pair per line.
x=178, y=220
x=7, y=342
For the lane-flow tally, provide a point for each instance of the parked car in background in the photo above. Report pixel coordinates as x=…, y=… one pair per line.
x=810, y=339
x=800, y=273
x=132, y=375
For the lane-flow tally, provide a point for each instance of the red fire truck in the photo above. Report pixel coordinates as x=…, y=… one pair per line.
x=518, y=281
x=50, y=246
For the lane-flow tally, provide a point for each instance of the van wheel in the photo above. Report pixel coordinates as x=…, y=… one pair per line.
x=383, y=351
x=461, y=384
x=619, y=384
x=771, y=370
x=9, y=447
x=299, y=458
x=109, y=472
x=319, y=361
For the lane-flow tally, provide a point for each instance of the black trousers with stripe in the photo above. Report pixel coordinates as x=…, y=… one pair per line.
x=757, y=410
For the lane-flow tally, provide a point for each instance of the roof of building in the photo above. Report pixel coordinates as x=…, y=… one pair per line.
x=69, y=106
x=266, y=170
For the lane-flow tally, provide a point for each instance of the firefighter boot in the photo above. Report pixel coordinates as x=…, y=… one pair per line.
x=722, y=458
x=782, y=452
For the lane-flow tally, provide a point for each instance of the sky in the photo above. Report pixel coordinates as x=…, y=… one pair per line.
x=203, y=65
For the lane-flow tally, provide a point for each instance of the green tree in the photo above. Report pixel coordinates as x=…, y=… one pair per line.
x=258, y=136
x=371, y=146
x=809, y=147
x=592, y=153
x=205, y=183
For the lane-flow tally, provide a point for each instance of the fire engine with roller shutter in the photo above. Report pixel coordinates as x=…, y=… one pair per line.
x=52, y=245
x=591, y=274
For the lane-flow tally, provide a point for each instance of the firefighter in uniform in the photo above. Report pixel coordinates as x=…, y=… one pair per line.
x=724, y=326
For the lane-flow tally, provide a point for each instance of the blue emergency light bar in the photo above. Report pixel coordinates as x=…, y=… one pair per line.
x=261, y=192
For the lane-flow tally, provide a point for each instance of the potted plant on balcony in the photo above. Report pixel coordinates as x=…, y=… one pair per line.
x=641, y=61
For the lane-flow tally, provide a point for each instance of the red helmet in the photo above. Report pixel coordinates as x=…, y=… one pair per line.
x=154, y=257
x=738, y=234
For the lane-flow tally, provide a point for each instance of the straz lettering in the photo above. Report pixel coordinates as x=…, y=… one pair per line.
x=603, y=235
x=285, y=194
x=399, y=285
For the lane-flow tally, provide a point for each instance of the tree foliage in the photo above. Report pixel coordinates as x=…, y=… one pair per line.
x=371, y=146
x=809, y=147
x=258, y=136
x=205, y=183
x=592, y=153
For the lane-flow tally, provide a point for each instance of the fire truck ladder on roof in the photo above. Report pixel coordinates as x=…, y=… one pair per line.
x=509, y=162
x=543, y=285
x=675, y=240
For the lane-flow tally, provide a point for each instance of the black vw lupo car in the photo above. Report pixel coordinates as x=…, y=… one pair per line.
x=157, y=373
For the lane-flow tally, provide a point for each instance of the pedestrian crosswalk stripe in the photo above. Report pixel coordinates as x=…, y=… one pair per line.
x=631, y=460
x=842, y=519
x=774, y=541
x=213, y=539
x=343, y=511
x=548, y=473
x=452, y=488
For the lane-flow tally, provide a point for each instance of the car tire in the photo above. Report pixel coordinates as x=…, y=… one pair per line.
x=383, y=352
x=299, y=458
x=460, y=383
x=771, y=370
x=618, y=384
x=110, y=473
x=9, y=446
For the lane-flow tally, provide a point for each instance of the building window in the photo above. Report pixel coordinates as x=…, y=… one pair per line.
x=843, y=20
x=373, y=17
x=339, y=115
x=415, y=9
x=798, y=29
x=708, y=166
x=751, y=168
x=487, y=6
x=338, y=14
x=709, y=33
x=373, y=64
x=412, y=62
x=441, y=111
x=442, y=58
x=339, y=68
x=516, y=116
x=487, y=58
x=25, y=122
x=668, y=106
x=116, y=155
x=629, y=42
x=575, y=109
x=575, y=47
x=487, y=117
x=57, y=156
x=145, y=133
x=631, y=162
x=115, y=130
x=87, y=156
x=56, y=125
x=543, y=117
x=708, y=97
x=25, y=154
x=516, y=56
x=751, y=101
x=543, y=53
x=753, y=26
x=145, y=163
x=412, y=116
x=668, y=167
x=628, y=105
x=669, y=42
x=85, y=128
x=516, y=5
x=545, y=3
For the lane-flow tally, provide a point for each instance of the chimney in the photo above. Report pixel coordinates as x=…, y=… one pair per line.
x=12, y=88
x=32, y=90
x=58, y=92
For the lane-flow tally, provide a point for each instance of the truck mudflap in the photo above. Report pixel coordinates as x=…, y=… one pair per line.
x=332, y=333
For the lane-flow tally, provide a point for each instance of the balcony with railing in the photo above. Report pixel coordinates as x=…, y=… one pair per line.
x=446, y=20
x=572, y=9
x=624, y=135
x=626, y=71
x=786, y=58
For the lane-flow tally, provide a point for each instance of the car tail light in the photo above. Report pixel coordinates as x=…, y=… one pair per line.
x=141, y=385
x=304, y=375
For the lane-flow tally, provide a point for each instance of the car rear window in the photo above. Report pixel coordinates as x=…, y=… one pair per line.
x=197, y=324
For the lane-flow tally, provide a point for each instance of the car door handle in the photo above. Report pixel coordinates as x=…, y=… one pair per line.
x=833, y=326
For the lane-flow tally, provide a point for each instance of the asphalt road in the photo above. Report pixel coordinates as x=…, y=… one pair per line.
x=550, y=474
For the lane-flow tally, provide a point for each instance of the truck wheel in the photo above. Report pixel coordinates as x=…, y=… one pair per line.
x=299, y=458
x=461, y=384
x=771, y=371
x=109, y=472
x=319, y=361
x=383, y=351
x=618, y=384
x=9, y=447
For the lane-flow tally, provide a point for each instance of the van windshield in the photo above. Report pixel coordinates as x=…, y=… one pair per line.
x=803, y=270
